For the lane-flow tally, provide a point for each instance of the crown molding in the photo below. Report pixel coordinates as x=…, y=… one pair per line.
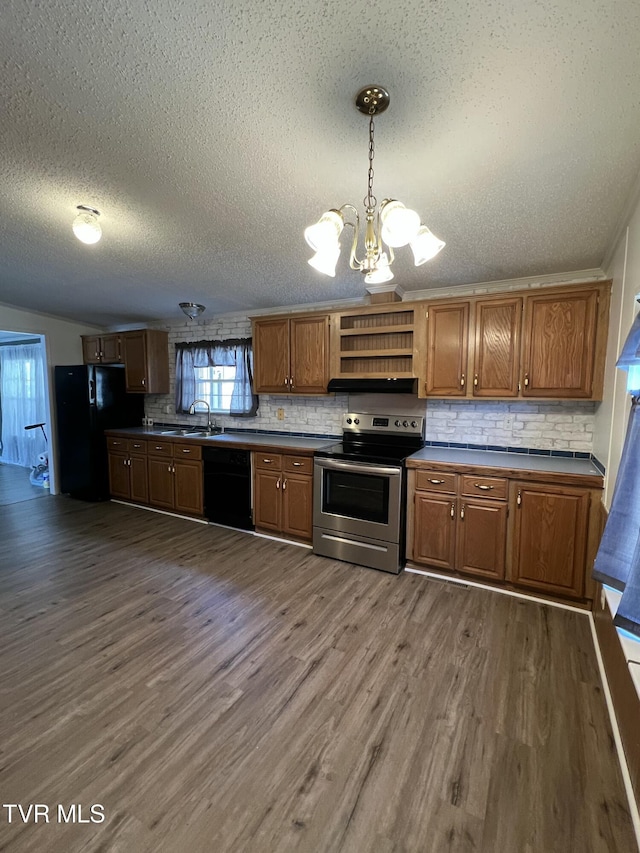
x=526, y=283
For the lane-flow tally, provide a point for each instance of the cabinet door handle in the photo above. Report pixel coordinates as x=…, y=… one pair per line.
x=435, y=482
x=291, y=382
x=452, y=511
x=519, y=499
x=462, y=513
x=484, y=488
x=137, y=445
x=286, y=380
x=462, y=381
x=475, y=380
x=297, y=464
x=267, y=461
x=159, y=447
x=278, y=483
x=184, y=450
x=526, y=380
x=143, y=381
x=284, y=485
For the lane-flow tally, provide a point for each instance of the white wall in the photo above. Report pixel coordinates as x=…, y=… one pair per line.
x=613, y=412
x=62, y=346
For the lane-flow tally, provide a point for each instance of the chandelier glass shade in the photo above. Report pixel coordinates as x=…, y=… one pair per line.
x=388, y=226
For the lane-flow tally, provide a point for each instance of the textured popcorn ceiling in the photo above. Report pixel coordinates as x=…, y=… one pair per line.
x=210, y=134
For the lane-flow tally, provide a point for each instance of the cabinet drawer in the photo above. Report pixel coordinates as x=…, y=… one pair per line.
x=160, y=448
x=268, y=461
x=436, y=481
x=136, y=445
x=491, y=487
x=187, y=451
x=118, y=444
x=298, y=464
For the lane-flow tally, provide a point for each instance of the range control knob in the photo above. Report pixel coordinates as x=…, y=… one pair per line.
x=348, y=420
x=414, y=424
x=398, y=423
x=357, y=421
x=405, y=423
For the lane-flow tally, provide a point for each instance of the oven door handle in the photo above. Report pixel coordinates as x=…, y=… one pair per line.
x=359, y=467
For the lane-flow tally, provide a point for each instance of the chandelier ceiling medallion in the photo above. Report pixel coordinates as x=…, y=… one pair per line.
x=391, y=224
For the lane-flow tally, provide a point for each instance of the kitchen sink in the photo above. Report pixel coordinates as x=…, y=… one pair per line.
x=186, y=432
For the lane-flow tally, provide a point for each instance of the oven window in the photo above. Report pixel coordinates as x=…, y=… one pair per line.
x=356, y=495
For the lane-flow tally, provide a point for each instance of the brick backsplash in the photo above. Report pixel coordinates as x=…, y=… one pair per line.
x=562, y=425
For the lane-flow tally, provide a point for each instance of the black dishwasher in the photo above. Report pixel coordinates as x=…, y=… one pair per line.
x=227, y=486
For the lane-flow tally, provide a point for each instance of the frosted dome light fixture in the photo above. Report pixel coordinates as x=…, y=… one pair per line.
x=390, y=223
x=86, y=226
x=192, y=309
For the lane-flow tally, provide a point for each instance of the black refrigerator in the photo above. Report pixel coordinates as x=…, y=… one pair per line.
x=89, y=399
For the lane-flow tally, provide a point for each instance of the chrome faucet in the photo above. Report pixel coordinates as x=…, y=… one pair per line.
x=192, y=411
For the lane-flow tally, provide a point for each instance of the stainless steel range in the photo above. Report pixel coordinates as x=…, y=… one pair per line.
x=360, y=490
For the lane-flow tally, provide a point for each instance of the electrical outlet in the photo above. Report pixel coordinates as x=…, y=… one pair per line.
x=507, y=423
x=280, y=414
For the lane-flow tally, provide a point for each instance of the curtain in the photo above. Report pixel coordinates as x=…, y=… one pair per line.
x=232, y=352
x=22, y=397
x=617, y=562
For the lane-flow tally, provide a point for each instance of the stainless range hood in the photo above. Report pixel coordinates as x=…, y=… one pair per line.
x=374, y=386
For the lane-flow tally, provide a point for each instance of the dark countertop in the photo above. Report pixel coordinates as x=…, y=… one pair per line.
x=569, y=470
x=240, y=441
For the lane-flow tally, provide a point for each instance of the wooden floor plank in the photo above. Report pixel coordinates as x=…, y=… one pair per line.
x=222, y=692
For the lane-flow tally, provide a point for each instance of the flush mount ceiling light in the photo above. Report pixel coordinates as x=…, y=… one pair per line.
x=86, y=226
x=391, y=223
x=192, y=309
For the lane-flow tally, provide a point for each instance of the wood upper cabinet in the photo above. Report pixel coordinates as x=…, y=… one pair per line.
x=548, y=344
x=102, y=349
x=496, y=357
x=447, y=349
x=271, y=356
x=550, y=525
x=560, y=341
x=146, y=361
x=309, y=351
x=291, y=355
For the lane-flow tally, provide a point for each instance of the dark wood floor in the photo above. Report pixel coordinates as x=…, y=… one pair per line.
x=15, y=485
x=218, y=692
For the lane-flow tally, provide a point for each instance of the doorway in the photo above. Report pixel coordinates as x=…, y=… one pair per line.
x=24, y=401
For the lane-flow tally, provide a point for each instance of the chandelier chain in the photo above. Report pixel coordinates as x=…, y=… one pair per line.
x=370, y=200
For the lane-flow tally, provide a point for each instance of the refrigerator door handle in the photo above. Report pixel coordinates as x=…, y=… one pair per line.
x=92, y=390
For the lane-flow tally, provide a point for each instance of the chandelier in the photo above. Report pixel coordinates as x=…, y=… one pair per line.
x=390, y=225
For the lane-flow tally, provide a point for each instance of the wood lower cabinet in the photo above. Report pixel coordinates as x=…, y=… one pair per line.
x=456, y=527
x=549, y=537
x=291, y=355
x=176, y=477
x=127, y=459
x=283, y=494
x=532, y=534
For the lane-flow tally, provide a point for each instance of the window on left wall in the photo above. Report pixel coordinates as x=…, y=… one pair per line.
x=219, y=372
